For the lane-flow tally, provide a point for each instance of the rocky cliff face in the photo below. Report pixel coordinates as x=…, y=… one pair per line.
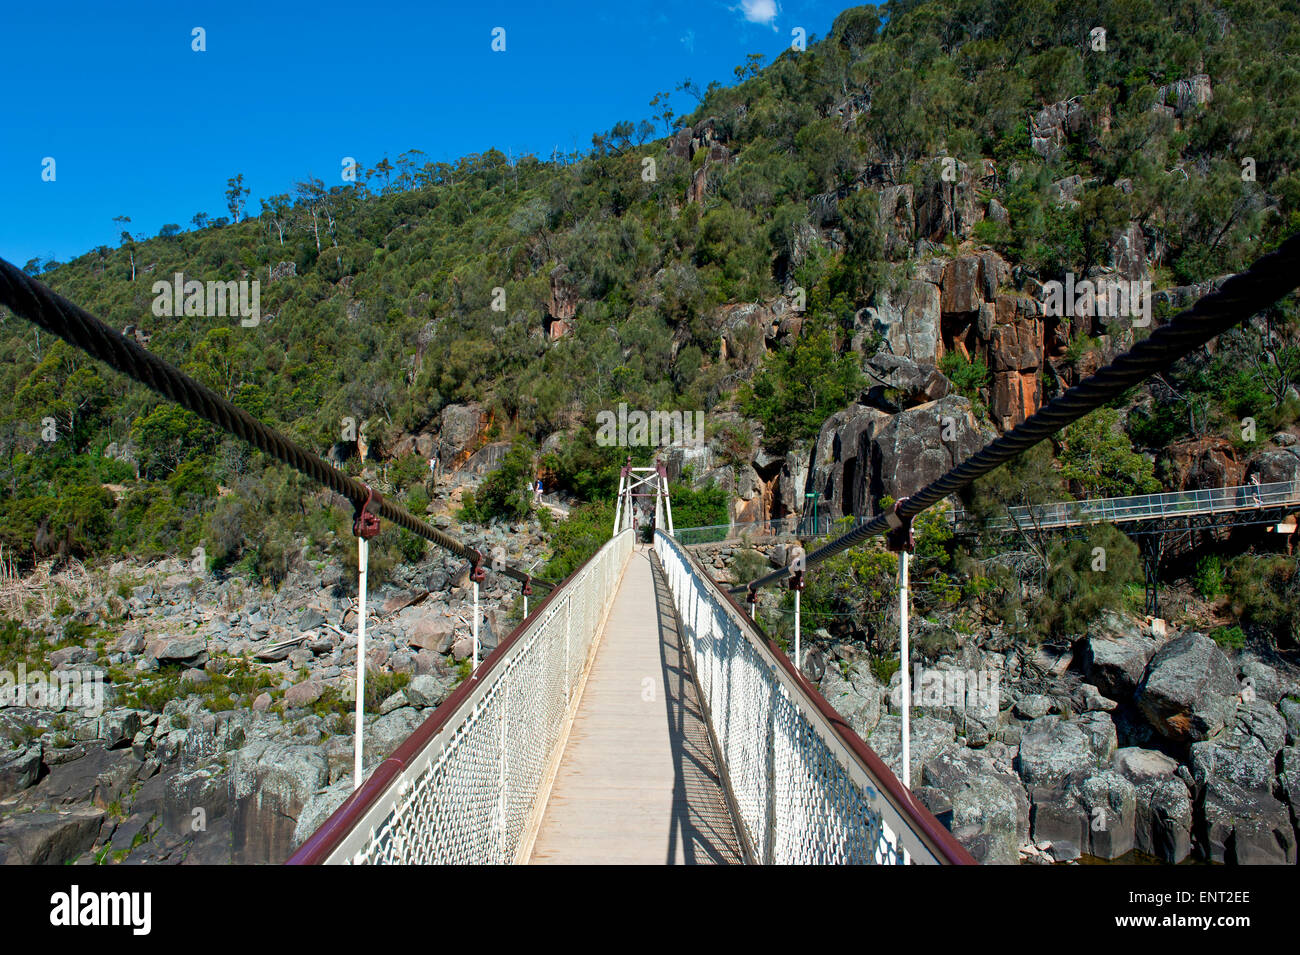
x=562, y=311
x=747, y=331
x=863, y=454
x=963, y=305
x=462, y=430
x=1208, y=462
x=706, y=137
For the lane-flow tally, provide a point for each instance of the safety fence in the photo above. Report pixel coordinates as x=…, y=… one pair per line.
x=467, y=787
x=1140, y=507
x=778, y=527
x=803, y=786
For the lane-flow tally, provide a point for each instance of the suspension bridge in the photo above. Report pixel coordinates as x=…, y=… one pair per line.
x=1156, y=521
x=1196, y=509
x=638, y=713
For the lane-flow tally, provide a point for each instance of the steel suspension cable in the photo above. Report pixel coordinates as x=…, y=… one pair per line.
x=1239, y=297
x=49, y=310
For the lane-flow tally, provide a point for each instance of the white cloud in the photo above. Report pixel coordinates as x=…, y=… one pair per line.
x=688, y=41
x=760, y=11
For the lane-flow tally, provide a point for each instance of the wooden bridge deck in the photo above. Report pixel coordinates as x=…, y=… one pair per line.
x=637, y=782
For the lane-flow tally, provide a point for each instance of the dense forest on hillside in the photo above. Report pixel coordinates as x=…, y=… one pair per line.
x=545, y=290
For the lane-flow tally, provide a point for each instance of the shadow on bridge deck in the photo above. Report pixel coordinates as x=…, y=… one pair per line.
x=638, y=782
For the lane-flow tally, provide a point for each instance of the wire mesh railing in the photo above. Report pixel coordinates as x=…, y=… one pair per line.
x=779, y=527
x=1139, y=507
x=468, y=786
x=804, y=787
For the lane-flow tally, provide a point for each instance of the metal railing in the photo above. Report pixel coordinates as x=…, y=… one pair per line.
x=467, y=786
x=801, y=527
x=779, y=527
x=804, y=787
x=1138, y=507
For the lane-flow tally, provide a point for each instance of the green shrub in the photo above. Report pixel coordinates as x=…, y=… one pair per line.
x=408, y=472
x=968, y=376
x=417, y=500
x=1209, y=579
x=505, y=493
x=798, y=386
x=1097, y=454
x=574, y=539
x=749, y=565
x=18, y=645
x=701, y=507
x=1230, y=638
x=1079, y=587
x=1265, y=592
x=884, y=668
x=411, y=547
x=380, y=686
x=468, y=512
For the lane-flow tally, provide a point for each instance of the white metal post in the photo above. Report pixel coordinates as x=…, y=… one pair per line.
x=798, y=654
x=501, y=785
x=618, y=507
x=530, y=570
x=904, y=668
x=363, y=559
x=668, y=509
x=475, y=627
x=568, y=630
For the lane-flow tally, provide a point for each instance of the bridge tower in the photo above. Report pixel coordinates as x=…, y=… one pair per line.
x=636, y=487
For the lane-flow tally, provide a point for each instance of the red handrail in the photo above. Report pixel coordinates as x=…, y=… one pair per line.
x=322, y=843
x=931, y=828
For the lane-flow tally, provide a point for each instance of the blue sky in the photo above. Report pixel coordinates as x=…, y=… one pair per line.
x=139, y=124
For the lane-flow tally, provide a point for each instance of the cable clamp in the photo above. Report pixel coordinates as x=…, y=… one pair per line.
x=899, y=536
x=365, y=521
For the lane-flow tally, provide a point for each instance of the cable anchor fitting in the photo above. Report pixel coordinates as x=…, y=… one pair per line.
x=365, y=521
x=899, y=536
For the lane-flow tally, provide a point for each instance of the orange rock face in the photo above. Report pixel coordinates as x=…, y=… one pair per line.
x=1016, y=395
